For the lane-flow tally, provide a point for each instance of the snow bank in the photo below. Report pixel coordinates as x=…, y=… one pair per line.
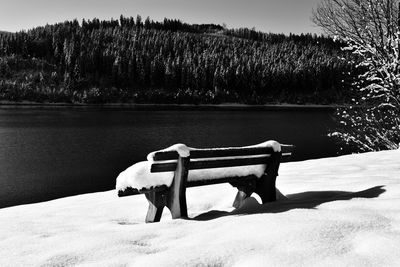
x=342, y=211
x=139, y=176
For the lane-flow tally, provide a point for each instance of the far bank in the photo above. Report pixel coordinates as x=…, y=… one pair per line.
x=152, y=106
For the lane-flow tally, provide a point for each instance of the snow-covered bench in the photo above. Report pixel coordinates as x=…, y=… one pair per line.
x=167, y=173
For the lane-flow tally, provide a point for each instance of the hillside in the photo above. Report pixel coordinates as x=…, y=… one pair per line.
x=131, y=60
x=342, y=211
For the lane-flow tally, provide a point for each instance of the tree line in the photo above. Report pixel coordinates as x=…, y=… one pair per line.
x=143, y=61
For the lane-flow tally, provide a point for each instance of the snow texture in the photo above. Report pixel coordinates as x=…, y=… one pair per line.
x=342, y=211
x=182, y=150
x=138, y=176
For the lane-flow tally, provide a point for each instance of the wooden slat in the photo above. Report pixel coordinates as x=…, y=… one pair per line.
x=287, y=148
x=209, y=164
x=167, y=155
x=287, y=152
x=214, y=153
x=220, y=181
x=221, y=152
x=133, y=191
x=233, y=152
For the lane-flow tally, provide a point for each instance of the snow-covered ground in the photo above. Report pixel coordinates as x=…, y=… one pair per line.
x=342, y=211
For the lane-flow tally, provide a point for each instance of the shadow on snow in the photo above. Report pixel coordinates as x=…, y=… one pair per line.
x=305, y=200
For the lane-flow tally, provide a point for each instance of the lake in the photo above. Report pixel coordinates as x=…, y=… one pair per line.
x=52, y=152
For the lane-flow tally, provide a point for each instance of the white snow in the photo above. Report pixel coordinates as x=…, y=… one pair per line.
x=182, y=150
x=342, y=211
x=271, y=143
x=138, y=176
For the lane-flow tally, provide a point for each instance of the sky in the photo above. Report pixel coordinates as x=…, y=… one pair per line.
x=277, y=16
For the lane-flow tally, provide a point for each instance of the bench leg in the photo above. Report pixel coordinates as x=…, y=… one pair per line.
x=157, y=202
x=244, y=191
x=265, y=187
x=176, y=201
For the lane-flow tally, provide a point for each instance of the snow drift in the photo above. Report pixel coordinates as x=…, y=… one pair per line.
x=342, y=211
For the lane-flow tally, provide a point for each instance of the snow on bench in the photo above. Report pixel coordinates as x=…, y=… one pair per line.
x=165, y=176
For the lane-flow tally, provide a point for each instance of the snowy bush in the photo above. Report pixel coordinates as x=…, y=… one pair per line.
x=371, y=30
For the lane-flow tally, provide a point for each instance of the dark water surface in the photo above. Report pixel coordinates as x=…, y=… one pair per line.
x=47, y=153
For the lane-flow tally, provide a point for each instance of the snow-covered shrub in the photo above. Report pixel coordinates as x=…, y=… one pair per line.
x=371, y=29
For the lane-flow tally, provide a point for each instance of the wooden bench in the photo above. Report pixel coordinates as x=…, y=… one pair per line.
x=174, y=197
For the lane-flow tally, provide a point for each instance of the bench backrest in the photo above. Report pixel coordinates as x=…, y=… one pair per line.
x=218, y=158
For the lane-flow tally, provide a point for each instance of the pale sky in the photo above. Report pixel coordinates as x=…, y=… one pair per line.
x=277, y=16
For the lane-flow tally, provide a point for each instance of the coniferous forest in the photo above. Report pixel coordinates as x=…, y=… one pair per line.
x=142, y=61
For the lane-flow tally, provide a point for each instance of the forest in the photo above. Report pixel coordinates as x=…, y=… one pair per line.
x=131, y=60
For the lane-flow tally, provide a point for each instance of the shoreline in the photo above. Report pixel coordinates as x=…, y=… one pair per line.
x=149, y=106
